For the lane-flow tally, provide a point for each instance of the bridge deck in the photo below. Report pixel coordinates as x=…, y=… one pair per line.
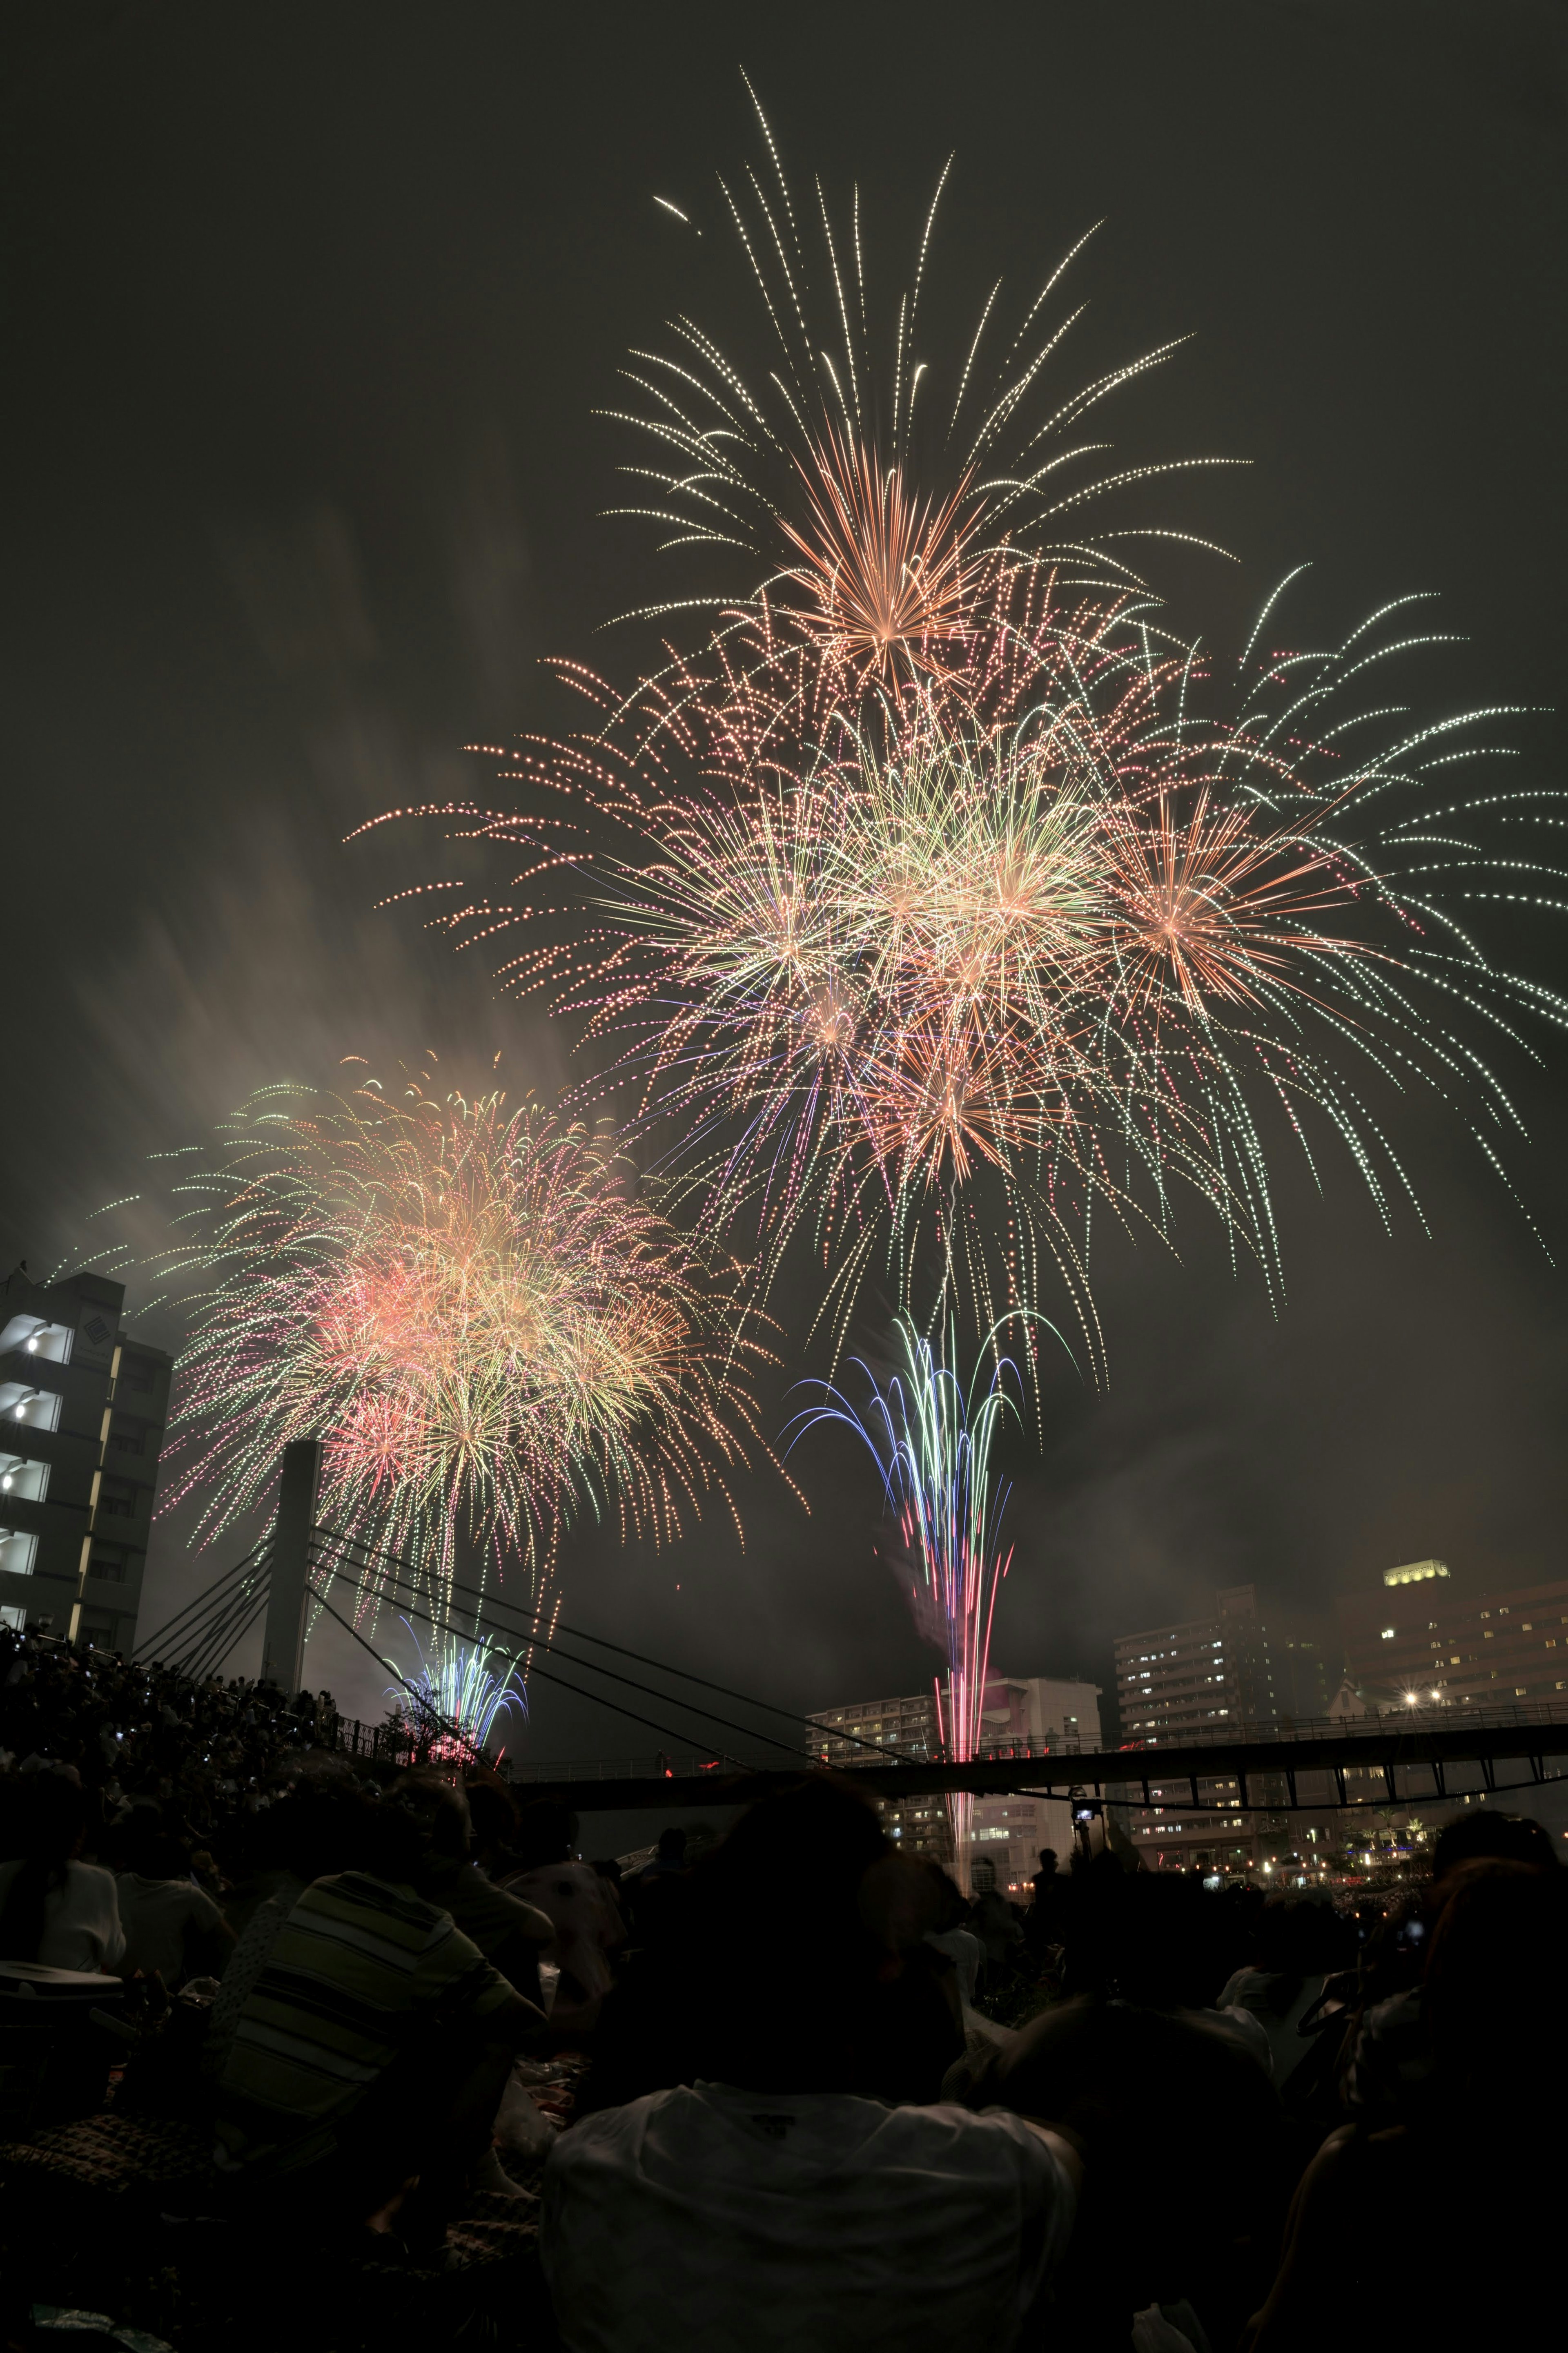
x=1132, y=1775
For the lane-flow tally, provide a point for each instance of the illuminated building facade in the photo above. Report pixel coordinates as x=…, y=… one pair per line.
x=1206, y=1676
x=1039, y=1713
x=82, y=1413
x=909, y=1728
x=1426, y=1637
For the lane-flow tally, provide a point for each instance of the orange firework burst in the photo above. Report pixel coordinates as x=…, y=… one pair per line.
x=904, y=980
x=895, y=503
x=923, y=872
x=1213, y=906
x=885, y=579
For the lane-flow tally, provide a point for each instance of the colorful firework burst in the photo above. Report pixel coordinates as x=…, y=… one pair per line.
x=924, y=908
x=477, y=1312
x=931, y=1437
x=895, y=498
x=452, y=1701
x=935, y=986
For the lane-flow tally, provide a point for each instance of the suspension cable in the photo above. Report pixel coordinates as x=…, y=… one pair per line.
x=205, y=1595
x=221, y=1639
x=197, y=1639
x=580, y=1634
x=692, y=1707
x=615, y=1707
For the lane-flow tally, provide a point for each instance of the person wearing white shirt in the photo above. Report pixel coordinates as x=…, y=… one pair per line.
x=54, y=1908
x=711, y=2217
x=171, y=1925
x=771, y=2199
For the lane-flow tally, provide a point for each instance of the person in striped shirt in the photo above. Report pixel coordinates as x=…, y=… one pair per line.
x=374, y=2047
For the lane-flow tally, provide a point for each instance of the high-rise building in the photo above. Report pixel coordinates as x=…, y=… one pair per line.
x=1205, y=1676
x=1038, y=1714
x=82, y=1411
x=907, y=1727
x=1307, y=1662
x=1177, y=1680
x=1423, y=1636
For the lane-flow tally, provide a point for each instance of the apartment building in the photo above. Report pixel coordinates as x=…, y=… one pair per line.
x=1205, y=1676
x=1038, y=1714
x=1423, y=1637
x=906, y=1727
x=1046, y=1715
x=82, y=1413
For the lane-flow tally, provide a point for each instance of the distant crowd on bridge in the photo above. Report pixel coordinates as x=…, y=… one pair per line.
x=370, y=2046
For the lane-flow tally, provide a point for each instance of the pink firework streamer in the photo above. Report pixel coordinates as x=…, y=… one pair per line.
x=931, y=1437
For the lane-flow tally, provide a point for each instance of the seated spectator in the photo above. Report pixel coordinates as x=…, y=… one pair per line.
x=992, y=1921
x=585, y=1921
x=171, y=1926
x=54, y=1909
x=668, y=1860
x=1389, y=2057
x=1134, y=2062
x=1487, y=1831
x=492, y=1823
x=654, y=1896
x=373, y=2051
x=322, y=1826
x=949, y=1934
x=670, y=2017
x=772, y=2202
x=509, y=1933
x=1156, y=1940
x=1498, y=2083
x=1297, y=1943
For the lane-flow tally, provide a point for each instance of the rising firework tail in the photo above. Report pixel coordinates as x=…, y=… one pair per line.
x=454, y=1700
x=932, y=1436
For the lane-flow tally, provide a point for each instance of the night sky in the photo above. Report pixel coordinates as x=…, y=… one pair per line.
x=309, y=311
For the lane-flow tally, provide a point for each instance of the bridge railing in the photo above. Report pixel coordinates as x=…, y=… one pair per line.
x=391, y=1744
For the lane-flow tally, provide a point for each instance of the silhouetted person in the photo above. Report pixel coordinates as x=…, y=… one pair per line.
x=1473, y=2180
x=371, y=2054
x=1157, y=2092
x=54, y=1908
x=171, y=1928
x=1482, y=1831
x=511, y=1934
x=770, y=2197
x=1390, y=2053
x=1046, y=1922
x=669, y=1858
x=585, y=1916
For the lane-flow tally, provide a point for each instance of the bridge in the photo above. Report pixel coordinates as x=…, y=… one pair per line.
x=1360, y=1763
x=1396, y=1757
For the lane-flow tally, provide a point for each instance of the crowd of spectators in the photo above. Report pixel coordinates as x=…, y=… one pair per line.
x=130, y=1732
x=1221, y=2120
